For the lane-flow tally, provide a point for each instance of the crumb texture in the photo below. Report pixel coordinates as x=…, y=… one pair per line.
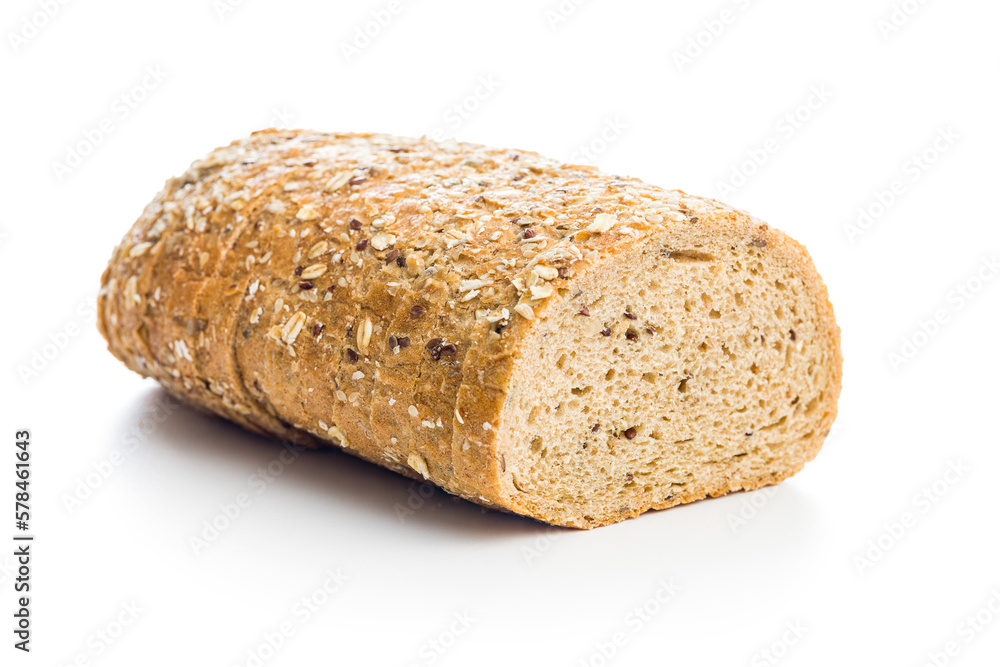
x=536, y=337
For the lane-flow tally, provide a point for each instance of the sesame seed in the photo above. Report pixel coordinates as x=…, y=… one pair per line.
x=412, y=410
x=358, y=375
x=365, y=333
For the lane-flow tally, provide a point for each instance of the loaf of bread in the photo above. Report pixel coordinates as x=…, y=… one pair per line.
x=537, y=337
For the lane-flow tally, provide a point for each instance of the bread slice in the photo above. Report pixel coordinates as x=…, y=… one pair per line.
x=533, y=336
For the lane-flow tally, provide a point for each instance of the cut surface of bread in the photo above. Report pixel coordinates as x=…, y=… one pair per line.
x=537, y=337
x=690, y=367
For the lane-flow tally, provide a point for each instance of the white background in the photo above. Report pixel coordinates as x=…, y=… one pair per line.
x=874, y=554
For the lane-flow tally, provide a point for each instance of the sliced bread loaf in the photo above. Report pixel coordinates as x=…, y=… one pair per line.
x=537, y=337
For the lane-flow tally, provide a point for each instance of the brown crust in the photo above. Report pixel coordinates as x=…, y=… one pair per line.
x=247, y=291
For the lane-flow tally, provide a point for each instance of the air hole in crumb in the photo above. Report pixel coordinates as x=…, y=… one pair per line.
x=777, y=424
x=533, y=415
x=714, y=314
x=690, y=256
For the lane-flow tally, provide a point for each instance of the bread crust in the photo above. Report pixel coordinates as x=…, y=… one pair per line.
x=277, y=282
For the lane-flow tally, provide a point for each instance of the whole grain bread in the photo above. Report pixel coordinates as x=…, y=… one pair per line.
x=533, y=336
